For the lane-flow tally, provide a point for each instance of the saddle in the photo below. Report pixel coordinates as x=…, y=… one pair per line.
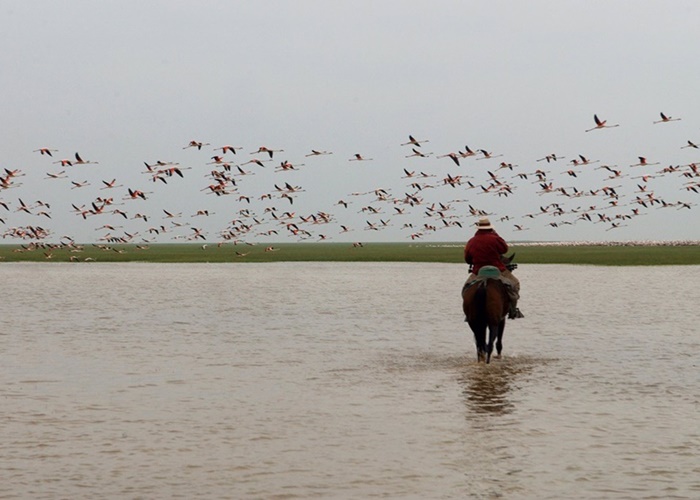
x=486, y=273
x=492, y=272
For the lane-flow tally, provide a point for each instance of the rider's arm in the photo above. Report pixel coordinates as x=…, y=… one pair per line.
x=467, y=256
x=502, y=246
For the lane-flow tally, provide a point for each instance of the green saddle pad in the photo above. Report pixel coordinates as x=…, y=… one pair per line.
x=489, y=272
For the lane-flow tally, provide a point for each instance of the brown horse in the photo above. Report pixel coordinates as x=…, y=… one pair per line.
x=486, y=304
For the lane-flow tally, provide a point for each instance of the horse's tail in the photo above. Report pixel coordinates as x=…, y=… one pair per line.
x=487, y=301
x=480, y=296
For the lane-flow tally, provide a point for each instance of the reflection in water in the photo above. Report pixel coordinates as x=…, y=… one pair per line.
x=488, y=389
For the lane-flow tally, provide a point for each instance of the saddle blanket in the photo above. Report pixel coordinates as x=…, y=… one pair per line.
x=486, y=273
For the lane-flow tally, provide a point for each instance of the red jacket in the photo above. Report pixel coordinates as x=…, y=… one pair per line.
x=485, y=249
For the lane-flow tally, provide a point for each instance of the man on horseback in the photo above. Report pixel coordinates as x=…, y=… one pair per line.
x=485, y=248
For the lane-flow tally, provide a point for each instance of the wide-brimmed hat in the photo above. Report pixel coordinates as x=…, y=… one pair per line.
x=484, y=223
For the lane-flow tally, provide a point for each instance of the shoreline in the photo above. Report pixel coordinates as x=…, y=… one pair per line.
x=586, y=253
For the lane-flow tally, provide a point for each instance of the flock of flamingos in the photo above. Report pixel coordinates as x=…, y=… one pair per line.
x=431, y=193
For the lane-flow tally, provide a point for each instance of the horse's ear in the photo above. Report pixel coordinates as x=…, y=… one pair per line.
x=506, y=259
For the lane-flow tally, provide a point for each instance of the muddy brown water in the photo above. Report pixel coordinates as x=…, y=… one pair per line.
x=345, y=380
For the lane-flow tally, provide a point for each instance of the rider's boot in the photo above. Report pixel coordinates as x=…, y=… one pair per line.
x=514, y=312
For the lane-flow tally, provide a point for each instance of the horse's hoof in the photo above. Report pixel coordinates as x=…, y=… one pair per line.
x=497, y=356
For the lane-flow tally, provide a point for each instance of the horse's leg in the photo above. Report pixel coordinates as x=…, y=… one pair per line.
x=479, y=329
x=493, y=333
x=499, y=339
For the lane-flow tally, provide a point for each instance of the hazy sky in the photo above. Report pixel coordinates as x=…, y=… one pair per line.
x=126, y=82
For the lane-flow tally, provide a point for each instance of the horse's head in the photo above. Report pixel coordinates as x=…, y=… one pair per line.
x=508, y=261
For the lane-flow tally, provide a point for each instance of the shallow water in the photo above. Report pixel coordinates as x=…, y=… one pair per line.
x=345, y=380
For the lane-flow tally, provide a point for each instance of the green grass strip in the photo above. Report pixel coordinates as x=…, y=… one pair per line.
x=605, y=255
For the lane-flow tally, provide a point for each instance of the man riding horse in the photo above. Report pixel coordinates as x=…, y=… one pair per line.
x=486, y=248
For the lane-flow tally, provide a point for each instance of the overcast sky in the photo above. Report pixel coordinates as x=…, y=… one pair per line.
x=125, y=83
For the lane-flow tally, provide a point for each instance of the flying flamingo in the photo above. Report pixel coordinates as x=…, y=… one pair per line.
x=80, y=161
x=110, y=184
x=243, y=172
x=315, y=152
x=412, y=140
x=226, y=148
x=487, y=155
x=22, y=207
x=454, y=157
x=552, y=157
x=256, y=161
x=45, y=151
x=583, y=161
x=135, y=193
x=196, y=144
x=601, y=124
x=359, y=157
x=467, y=152
x=270, y=152
x=665, y=119
x=418, y=153
x=643, y=162
x=690, y=145
x=59, y=175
